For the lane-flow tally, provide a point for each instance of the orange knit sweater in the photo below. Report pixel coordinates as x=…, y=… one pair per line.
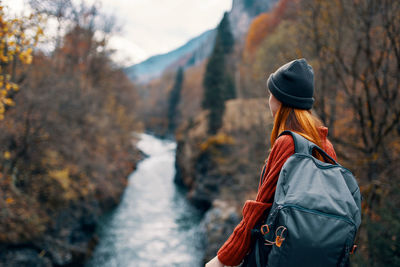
x=238, y=244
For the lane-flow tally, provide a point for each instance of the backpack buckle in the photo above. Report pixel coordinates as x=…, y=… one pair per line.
x=353, y=249
x=264, y=229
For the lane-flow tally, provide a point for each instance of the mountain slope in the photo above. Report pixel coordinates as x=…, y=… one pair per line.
x=199, y=48
x=190, y=54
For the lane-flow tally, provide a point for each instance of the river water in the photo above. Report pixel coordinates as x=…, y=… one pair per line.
x=154, y=225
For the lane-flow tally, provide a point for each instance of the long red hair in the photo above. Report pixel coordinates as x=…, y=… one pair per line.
x=300, y=121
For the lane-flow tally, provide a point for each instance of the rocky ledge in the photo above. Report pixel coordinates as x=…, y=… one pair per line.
x=222, y=171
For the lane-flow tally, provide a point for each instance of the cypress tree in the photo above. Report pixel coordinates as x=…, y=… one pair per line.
x=218, y=84
x=229, y=87
x=174, y=98
x=227, y=41
x=224, y=34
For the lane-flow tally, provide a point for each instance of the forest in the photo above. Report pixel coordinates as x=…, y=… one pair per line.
x=354, y=47
x=65, y=131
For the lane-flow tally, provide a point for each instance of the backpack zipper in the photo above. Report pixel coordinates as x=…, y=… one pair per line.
x=274, y=214
x=317, y=212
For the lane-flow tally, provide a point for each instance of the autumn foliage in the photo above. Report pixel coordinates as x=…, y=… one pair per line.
x=65, y=146
x=266, y=23
x=18, y=37
x=353, y=47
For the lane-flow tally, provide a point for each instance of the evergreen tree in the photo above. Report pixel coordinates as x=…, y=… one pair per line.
x=218, y=84
x=229, y=87
x=224, y=34
x=174, y=98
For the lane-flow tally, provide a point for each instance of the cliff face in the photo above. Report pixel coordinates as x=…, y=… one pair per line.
x=222, y=171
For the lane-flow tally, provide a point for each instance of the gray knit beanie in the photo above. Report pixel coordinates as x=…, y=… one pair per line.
x=293, y=84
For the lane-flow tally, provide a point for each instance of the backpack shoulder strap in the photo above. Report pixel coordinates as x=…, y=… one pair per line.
x=301, y=144
x=304, y=146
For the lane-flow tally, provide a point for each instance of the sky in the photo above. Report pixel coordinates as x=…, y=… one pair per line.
x=151, y=27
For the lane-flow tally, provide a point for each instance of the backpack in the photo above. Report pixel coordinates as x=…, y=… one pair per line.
x=315, y=215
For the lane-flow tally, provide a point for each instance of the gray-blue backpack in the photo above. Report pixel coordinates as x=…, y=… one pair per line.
x=315, y=215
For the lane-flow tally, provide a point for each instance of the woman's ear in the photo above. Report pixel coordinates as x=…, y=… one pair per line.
x=274, y=104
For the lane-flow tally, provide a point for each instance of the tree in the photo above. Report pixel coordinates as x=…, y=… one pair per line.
x=224, y=35
x=353, y=47
x=218, y=83
x=65, y=148
x=356, y=49
x=265, y=23
x=18, y=37
x=174, y=99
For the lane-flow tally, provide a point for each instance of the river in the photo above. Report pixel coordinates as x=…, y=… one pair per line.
x=154, y=225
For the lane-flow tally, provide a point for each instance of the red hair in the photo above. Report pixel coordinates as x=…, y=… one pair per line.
x=297, y=120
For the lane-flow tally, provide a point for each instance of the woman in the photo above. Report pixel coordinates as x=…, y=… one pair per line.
x=291, y=90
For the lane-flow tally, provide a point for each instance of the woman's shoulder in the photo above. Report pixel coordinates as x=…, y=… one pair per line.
x=283, y=144
x=284, y=140
x=282, y=149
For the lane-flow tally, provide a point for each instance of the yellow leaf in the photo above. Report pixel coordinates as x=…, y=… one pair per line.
x=4, y=58
x=9, y=200
x=29, y=60
x=7, y=155
x=39, y=31
x=62, y=176
x=9, y=102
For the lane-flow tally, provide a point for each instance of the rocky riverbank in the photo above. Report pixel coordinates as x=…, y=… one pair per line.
x=223, y=170
x=64, y=234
